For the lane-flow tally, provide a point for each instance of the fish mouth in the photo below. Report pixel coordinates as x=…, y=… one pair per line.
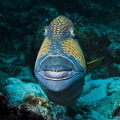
x=56, y=67
x=57, y=72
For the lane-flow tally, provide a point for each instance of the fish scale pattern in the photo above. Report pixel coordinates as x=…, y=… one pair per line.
x=58, y=42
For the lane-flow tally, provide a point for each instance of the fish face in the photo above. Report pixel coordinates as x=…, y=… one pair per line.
x=60, y=65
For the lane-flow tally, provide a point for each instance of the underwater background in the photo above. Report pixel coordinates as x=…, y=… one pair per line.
x=98, y=32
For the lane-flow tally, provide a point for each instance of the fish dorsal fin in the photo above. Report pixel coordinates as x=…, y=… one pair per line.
x=93, y=64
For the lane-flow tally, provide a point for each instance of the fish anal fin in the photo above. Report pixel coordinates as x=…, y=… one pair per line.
x=93, y=64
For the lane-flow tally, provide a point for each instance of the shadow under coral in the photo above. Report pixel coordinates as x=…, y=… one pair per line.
x=20, y=112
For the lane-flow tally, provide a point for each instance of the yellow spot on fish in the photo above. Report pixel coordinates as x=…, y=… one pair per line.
x=72, y=48
x=44, y=48
x=58, y=26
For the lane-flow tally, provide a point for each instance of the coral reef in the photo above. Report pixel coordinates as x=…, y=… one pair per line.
x=40, y=103
x=99, y=99
x=24, y=99
x=21, y=112
x=98, y=26
x=30, y=97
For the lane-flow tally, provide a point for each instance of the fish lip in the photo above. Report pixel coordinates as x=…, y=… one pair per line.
x=57, y=79
x=63, y=74
x=57, y=56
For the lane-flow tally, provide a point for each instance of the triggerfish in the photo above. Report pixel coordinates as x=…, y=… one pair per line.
x=60, y=66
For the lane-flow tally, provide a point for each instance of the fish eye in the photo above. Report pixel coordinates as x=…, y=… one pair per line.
x=44, y=31
x=73, y=32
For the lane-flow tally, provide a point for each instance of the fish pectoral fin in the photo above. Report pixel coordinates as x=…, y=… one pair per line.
x=93, y=64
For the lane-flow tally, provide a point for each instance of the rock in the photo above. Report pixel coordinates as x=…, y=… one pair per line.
x=113, y=49
x=78, y=117
x=94, y=115
x=26, y=75
x=113, y=86
x=100, y=100
x=15, y=90
x=95, y=90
